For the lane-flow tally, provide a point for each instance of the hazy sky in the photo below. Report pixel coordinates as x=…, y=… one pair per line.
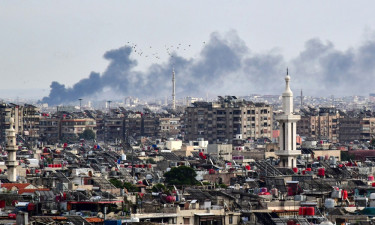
x=45, y=41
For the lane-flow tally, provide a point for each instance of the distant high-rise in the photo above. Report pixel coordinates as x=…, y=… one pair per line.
x=173, y=90
x=288, y=125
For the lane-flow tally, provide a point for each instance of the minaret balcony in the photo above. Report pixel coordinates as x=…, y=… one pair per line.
x=288, y=152
x=288, y=118
x=11, y=163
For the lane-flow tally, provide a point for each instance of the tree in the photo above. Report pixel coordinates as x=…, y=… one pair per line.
x=181, y=175
x=130, y=187
x=116, y=183
x=150, y=160
x=159, y=188
x=88, y=134
x=372, y=142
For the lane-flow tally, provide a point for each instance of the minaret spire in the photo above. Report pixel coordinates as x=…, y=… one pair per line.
x=173, y=90
x=11, y=147
x=288, y=125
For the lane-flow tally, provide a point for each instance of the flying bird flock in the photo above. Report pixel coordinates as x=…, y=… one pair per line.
x=155, y=53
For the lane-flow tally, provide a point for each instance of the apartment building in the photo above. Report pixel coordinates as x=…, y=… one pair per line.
x=73, y=127
x=367, y=130
x=322, y=123
x=114, y=128
x=49, y=129
x=349, y=129
x=169, y=126
x=26, y=120
x=220, y=122
x=139, y=124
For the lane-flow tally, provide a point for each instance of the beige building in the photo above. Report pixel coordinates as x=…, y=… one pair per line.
x=169, y=126
x=26, y=120
x=221, y=121
x=221, y=151
x=49, y=129
x=367, y=129
x=72, y=127
x=191, y=213
x=322, y=124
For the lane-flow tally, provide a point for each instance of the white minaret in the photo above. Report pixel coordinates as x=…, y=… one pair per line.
x=11, y=147
x=173, y=90
x=288, y=125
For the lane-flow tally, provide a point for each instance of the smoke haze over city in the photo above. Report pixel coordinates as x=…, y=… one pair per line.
x=227, y=65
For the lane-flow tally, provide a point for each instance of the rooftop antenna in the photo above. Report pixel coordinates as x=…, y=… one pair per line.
x=301, y=99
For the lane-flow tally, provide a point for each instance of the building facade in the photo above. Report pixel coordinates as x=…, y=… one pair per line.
x=320, y=124
x=220, y=122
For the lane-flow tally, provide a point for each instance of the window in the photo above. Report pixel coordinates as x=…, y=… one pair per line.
x=186, y=220
x=230, y=219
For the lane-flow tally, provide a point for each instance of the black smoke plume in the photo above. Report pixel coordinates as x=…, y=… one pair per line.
x=225, y=65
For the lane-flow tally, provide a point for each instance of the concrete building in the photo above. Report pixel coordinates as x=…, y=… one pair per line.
x=49, y=129
x=114, y=129
x=73, y=127
x=288, y=126
x=138, y=125
x=220, y=122
x=349, y=129
x=26, y=120
x=321, y=124
x=169, y=126
x=221, y=151
x=173, y=144
x=367, y=130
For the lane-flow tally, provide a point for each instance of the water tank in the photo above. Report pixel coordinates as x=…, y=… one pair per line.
x=372, y=196
x=345, y=194
x=123, y=157
x=302, y=211
x=329, y=203
x=333, y=160
x=336, y=193
x=275, y=192
x=370, y=178
x=310, y=211
x=321, y=172
x=263, y=189
x=300, y=198
x=326, y=223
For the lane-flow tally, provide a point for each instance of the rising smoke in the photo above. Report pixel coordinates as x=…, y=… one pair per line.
x=226, y=65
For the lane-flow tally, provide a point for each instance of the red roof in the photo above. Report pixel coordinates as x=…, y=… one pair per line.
x=19, y=186
x=32, y=190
